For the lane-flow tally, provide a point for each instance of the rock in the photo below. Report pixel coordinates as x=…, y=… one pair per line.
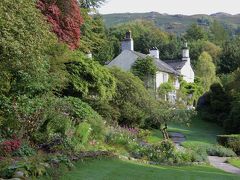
x=18, y=174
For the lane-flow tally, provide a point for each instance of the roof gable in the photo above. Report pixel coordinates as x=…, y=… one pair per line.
x=176, y=64
x=127, y=58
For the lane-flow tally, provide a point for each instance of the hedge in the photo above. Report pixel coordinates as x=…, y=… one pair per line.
x=230, y=141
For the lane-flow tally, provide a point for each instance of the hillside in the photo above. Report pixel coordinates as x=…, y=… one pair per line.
x=176, y=23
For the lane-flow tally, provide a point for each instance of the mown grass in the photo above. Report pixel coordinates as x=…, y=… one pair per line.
x=109, y=169
x=198, y=132
x=235, y=162
x=155, y=137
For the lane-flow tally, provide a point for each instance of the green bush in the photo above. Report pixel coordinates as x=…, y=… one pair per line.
x=131, y=100
x=163, y=152
x=220, y=151
x=88, y=79
x=83, y=131
x=230, y=141
x=119, y=136
x=199, y=154
x=24, y=151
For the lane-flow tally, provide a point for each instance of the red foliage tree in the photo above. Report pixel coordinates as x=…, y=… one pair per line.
x=65, y=18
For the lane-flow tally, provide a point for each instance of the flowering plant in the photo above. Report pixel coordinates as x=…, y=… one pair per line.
x=9, y=146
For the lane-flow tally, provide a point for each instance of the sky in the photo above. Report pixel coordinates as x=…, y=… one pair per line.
x=186, y=7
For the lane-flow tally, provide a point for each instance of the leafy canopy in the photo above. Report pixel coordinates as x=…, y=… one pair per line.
x=206, y=70
x=88, y=79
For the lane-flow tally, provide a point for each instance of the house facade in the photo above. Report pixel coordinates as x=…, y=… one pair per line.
x=174, y=68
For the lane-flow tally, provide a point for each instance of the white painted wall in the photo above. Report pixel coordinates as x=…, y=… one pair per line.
x=161, y=77
x=187, y=72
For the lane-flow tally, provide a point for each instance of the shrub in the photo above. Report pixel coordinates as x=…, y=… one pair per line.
x=119, y=136
x=24, y=43
x=24, y=151
x=88, y=79
x=220, y=151
x=9, y=146
x=230, y=141
x=83, y=131
x=163, y=152
x=199, y=154
x=131, y=100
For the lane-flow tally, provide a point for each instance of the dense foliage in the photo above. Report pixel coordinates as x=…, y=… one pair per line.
x=230, y=141
x=55, y=99
x=88, y=79
x=146, y=70
x=146, y=35
x=65, y=18
x=95, y=38
x=131, y=100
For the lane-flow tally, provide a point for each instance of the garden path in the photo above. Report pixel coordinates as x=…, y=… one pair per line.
x=219, y=162
x=177, y=138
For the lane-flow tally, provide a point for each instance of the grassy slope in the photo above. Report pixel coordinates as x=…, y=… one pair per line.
x=155, y=137
x=117, y=169
x=235, y=162
x=199, y=132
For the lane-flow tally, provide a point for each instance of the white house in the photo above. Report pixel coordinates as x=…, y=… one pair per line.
x=175, y=68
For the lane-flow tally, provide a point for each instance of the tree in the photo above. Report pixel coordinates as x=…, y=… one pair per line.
x=145, y=35
x=162, y=113
x=91, y=3
x=28, y=66
x=25, y=41
x=206, y=70
x=65, y=18
x=131, y=100
x=198, y=47
x=218, y=34
x=89, y=80
x=195, y=33
x=230, y=57
x=95, y=38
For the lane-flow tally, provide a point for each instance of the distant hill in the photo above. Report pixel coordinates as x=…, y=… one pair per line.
x=176, y=23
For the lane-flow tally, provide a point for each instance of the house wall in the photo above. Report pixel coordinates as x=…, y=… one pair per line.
x=161, y=77
x=187, y=73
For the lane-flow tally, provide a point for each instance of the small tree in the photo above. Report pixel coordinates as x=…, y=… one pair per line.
x=165, y=88
x=162, y=114
x=206, y=70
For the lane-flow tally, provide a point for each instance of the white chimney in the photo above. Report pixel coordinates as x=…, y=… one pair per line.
x=127, y=43
x=89, y=55
x=154, y=52
x=185, y=53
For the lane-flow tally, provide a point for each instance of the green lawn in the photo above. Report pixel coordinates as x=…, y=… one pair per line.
x=197, y=133
x=155, y=137
x=127, y=170
x=235, y=162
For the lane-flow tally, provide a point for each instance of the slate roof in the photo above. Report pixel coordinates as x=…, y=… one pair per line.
x=176, y=64
x=127, y=58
